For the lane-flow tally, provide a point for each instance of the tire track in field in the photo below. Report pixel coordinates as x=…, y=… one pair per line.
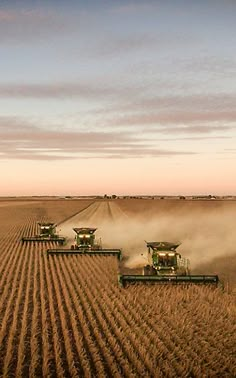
x=75, y=214
x=101, y=215
x=117, y=214
x=81, y=219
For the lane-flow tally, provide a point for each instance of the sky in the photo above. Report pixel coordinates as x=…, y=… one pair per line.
x=117, y=97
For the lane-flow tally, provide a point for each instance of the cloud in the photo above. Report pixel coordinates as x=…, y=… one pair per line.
x=194, y=137
x=27, y=25
x=130, y=100
x=82, y=90
x=178, y=109
x=186, y=111
x=133, y=7
x=211, y=65
x=193, y=129
x=193, y=102
x=114, y=46
x=177, y=117
x=129, y=108
x=22, y=140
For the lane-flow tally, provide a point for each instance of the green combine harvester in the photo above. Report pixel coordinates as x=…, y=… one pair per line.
x=86, y=244
x=166, y=266
x=46, y=233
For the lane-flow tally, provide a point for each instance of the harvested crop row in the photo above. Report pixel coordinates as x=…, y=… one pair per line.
x=67, y=316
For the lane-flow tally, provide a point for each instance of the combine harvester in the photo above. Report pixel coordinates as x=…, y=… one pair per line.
x=166, y=266
x=47, y=233
x=85, y=244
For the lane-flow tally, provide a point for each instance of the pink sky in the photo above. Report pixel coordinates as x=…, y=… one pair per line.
x=118, y=98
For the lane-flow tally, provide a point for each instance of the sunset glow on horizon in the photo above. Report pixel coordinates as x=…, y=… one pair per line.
x=117, y=97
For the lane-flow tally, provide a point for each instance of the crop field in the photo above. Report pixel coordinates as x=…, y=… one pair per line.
x=66, y=316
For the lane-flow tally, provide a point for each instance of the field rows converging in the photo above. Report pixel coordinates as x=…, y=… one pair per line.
x=66, y=316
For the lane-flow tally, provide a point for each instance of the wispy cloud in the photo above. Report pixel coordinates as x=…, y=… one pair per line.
x=176, y=117
x=114, y=46
x=187, y=111
x=210, y=64
x=193, y=102
x=197, y=129
x=199, y=138
x=130, y=108
x=23, y=25
x=130, y=100
x=22, y=140
x=85, y=90
x=133, y=7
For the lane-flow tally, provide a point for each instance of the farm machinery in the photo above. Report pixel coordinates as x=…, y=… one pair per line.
x=166, y=266
x=86, y=244
x=46, y=233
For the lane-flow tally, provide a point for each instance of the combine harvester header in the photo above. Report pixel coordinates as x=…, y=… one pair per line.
x=166, y=266
x=46, y=233
x=167, y=279
x=86, y=244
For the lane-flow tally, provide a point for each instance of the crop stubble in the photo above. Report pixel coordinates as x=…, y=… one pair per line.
x=66, y=315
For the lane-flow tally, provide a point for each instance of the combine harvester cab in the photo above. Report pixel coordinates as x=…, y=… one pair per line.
x=164, y=260
x=166, y=266
x=85, y=239
x=86, y=244
x=46, y=233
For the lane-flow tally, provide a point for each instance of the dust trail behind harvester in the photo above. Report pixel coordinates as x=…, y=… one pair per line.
x=204, y=232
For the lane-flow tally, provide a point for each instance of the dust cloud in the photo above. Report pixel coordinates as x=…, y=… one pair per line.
x=203, y=232
x=201, y=238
